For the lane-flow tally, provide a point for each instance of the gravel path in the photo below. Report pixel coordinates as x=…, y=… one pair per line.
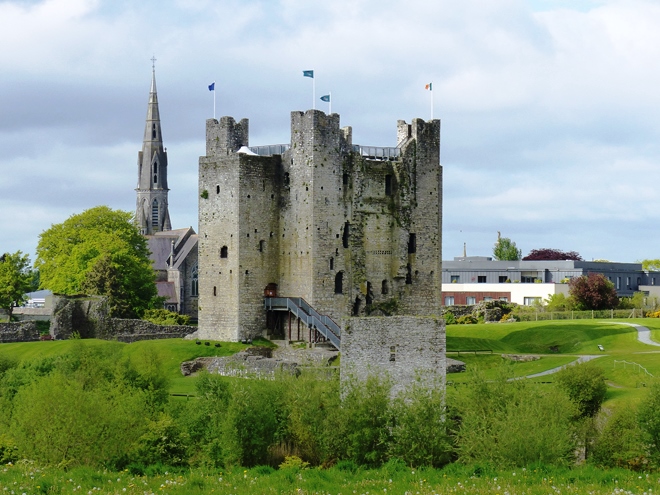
x=643, y=333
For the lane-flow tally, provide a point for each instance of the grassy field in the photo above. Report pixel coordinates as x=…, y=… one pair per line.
x=557, y=343
x=391, y=479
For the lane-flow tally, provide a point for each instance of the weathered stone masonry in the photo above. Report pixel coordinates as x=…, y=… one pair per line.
x=345, y=228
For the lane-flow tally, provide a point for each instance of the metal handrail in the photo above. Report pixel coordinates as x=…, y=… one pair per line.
x=301, y=309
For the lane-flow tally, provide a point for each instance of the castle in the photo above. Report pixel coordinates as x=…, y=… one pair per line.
x=346, y=230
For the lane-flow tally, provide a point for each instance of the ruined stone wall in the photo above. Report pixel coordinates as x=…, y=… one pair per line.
x=404, y=348
x=25, y=331
x=85, y=315
x=190, y=302
x=135, y=330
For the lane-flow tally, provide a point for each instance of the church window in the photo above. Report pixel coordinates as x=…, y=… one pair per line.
x=155, y=167
x=194, y=285
x=388, y=185
x=153, y=131
x=344, y=238
x=154, y=213
x=223, y=252
x=412, y=244
x=339, y=283
x=155, y=179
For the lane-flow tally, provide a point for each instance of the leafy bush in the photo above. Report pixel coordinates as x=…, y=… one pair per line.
x=419, y=430
x=450, y=319
x=165, y=317
x=512, y=423
x=585, y=386
x=621, y=442
x=467, y=320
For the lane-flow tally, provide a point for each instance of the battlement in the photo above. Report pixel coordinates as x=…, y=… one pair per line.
x=226, y=136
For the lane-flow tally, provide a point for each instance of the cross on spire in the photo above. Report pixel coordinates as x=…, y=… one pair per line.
x=153, y=62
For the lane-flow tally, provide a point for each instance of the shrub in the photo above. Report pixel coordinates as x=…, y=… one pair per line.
x=585, y=386
x=621, y=442
x=450, y=319
x=165, y=317
x=467, y=320
x=419, y=431
x=512, y=423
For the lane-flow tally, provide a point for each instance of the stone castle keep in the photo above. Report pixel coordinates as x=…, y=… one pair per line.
x=352, y=230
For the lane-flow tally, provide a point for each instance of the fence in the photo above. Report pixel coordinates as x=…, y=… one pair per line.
x=578, y=315
x=639, y=367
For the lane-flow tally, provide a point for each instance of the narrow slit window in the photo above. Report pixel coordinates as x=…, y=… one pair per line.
x=344, y=239
x=412, y=243
x=262, y=244
x=332, y=263
x=339, y=283
x=223, y=252
x=388, y=185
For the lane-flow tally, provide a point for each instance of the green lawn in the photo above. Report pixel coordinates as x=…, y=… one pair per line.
x=172, y=352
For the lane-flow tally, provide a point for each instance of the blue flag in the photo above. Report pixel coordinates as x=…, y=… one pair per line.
x=308, y=73
x=212, y=86
x=325, y=98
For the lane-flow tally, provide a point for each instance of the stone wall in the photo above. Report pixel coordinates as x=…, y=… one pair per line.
x=403, y=347
x=25, y=331
x=135, y=330
x=86, y=315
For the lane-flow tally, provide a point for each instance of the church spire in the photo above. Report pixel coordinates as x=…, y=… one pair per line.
x=152, y=214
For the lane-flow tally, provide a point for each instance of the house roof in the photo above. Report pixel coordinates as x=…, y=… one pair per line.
x=160, y=245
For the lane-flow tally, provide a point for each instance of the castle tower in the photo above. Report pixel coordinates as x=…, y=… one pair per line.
x=152, y=214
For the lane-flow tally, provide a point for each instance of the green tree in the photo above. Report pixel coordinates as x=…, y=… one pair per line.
x=505, y=249
x=585, y=386
x=593, y=291
x=651, y=265
x=101, y=252
x=559, y=302
x=15, y=280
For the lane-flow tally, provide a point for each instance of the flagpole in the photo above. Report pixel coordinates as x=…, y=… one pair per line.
x=431, y=101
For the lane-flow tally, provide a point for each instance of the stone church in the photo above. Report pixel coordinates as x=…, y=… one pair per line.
x=326, y=228
x=173, y=252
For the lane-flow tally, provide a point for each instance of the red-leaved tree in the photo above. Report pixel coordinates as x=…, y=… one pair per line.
x=547, y=254
x=593, y=291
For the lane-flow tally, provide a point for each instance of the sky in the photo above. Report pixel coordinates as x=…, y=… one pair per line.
x=549, y=108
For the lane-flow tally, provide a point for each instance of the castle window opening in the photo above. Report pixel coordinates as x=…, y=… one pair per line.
x=408, y=274
x=223, y=252
x=388, y=185
x=247, y=272
x=412, y=243
x=384, y=288
x=356, y=306
x=286, y=178
x=262, y=243
x=392, y=353
x=271, y=234
x=215, y=290
x=332, y=263
x=217, y=189
x=344, y=179
x=344, y=239
x=248, y=196
x=339, y=283
x=370, y=294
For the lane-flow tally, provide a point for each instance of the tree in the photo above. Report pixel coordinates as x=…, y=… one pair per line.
x=651, y=265
x=585, y=386
x=593, y=291
x=15, y=280
x=505, y=249
x=548, y=254
x=101, y=252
